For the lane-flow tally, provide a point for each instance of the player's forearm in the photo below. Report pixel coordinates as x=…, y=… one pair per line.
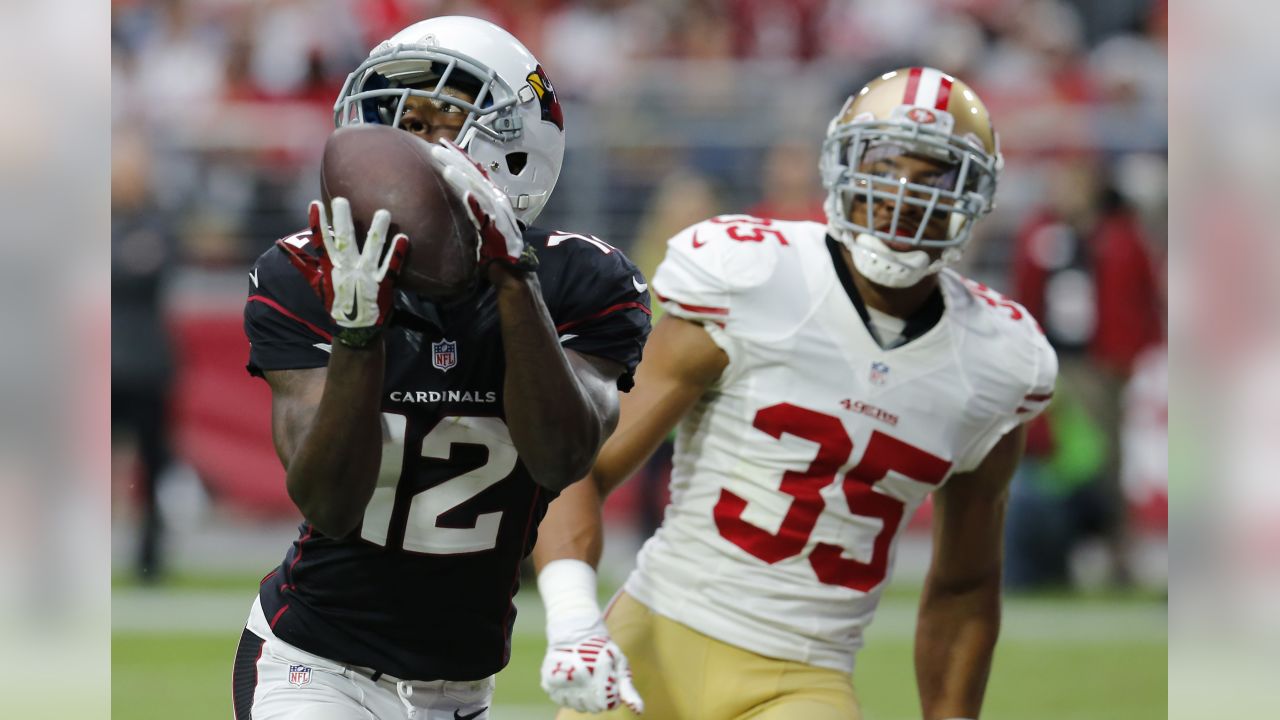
x=572, y=528
x=333, y=471
x=553, y=425
x=570, y=539
x=955, y=638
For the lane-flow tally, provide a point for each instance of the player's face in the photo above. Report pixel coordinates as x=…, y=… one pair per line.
x=895, y=165
x=434, y=120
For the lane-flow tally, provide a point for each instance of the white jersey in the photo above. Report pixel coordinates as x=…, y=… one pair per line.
x=794, y=475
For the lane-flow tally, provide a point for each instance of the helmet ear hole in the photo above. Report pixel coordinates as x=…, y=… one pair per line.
x=516, y=162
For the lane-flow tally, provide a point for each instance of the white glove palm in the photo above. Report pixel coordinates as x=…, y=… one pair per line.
x=488, y=206
x=357, y=274
x=354, y=283
x=588, y=673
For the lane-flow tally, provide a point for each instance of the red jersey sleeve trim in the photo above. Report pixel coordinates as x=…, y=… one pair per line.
x=700, y=309
x=607, y=311
x=281, y=309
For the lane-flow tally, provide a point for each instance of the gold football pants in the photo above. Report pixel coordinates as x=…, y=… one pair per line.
x=685, y=675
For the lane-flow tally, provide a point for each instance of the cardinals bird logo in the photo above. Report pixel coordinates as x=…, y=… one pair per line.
x=541, y=85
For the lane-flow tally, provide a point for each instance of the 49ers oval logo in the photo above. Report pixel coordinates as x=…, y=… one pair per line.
x=921, y=116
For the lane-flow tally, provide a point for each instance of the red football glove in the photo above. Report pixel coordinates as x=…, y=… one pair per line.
x=490, y=209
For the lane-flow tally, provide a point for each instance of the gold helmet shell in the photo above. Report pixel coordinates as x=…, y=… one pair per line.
x=922, y=111
x=925, y=92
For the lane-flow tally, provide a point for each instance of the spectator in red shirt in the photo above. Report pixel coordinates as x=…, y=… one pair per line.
x=1088, y=276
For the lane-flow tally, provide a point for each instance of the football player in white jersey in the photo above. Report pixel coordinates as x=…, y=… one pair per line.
x=824, y=380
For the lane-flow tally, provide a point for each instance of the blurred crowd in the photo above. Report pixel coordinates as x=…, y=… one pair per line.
x=679, y=110
x=231, y=98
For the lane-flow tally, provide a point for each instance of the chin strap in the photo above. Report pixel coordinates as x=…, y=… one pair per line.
x=884, y=266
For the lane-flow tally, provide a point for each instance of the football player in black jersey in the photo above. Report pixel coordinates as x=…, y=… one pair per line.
x=423, y=441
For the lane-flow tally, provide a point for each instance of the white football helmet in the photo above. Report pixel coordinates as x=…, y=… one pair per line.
x=918, y=111
x=514, y=128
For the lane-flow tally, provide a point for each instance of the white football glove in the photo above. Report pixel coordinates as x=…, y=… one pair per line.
x=488, y=206
x=583, y=669
x=354, y=283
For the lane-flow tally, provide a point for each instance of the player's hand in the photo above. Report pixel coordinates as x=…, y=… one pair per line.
x=355, y=284
x=501, y=240
x=586, y=671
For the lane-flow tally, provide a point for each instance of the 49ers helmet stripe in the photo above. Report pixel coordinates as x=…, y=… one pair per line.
x=913, y=86
x=944, y=93
x=927, y=87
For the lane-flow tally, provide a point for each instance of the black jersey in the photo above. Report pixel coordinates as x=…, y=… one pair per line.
x=422, y=589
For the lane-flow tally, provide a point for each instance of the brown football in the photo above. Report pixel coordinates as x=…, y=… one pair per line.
x=376, y=166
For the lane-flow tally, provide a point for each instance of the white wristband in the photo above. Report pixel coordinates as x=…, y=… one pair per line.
x=568, y=590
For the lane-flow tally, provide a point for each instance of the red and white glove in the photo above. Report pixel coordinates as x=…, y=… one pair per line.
x=501, y=239
x=583, y=669
x=354, y=283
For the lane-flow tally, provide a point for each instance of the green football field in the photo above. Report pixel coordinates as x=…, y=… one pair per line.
x=1059, y=658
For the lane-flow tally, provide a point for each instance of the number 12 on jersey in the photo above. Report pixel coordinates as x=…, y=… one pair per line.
x=884, y=454
x=423, y=531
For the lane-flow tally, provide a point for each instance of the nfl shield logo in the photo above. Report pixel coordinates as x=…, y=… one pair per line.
x=879, y=373
x=444, y=354
x=299, y=675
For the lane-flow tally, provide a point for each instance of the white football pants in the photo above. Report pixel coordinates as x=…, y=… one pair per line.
x=274, y=680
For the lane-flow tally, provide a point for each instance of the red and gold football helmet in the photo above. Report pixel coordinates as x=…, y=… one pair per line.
x=924, y=113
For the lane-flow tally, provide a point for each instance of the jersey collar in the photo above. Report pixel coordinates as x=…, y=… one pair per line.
x=920, y=322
